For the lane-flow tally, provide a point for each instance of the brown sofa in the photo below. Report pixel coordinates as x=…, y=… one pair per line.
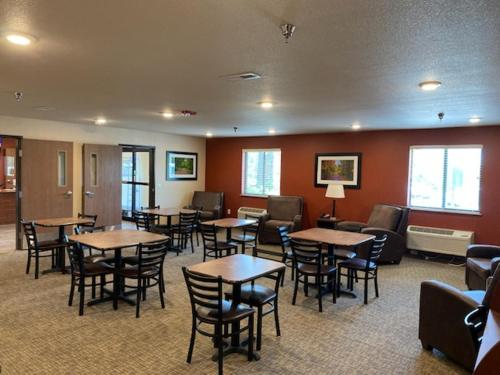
x=441, y=319
x=281, y=211
x=386, y=219
x=481, y=262
x=210, y=204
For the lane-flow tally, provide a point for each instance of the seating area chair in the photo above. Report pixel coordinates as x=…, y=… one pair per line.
x=368, y=266
x=481, y=262
x=80, y=271
x=250, y=234
x=183, y=231
x=208, y=203
x=443, y=309
x=212, y=247
x=148, y=272
x=390, y=220
x=308, y=263
x=210, y=309
x=281, y=211
x=39, y=249
x=142, y=221
x=87, y=227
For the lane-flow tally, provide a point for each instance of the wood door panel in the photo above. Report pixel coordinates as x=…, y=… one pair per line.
x=42, y=194
x=102, y=183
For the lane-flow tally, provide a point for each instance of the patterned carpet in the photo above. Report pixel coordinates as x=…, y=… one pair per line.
x=40, y=334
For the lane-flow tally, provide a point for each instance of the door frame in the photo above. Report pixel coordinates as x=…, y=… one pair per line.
x=19, y=153
x=152, y=179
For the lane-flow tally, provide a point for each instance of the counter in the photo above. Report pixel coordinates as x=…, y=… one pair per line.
x=7, y=206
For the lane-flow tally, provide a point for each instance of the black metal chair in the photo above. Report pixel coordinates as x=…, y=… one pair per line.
x=183, y=231
x=249, y=235
x=39, y=249
x=211, y=246
x=148, y=272
x=308, y=263
x=287, y=257
x=89, y=226
x=153, y=219
x=368, y=266
x=141, y=221
x=210, y=309
x=81, y=270
x=260, y=297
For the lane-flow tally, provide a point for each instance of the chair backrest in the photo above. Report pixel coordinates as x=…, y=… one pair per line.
x=307, y=253
x=284, y=238
x=209, y=201
x=208, y=235
x=152, y=255
x=152, y=217
x=142, y=221
x=85, y=216
x=204, y=292
x=30, y=234
x=375, y=250
x=253, y=228
x=187, y=220
x=390, y=217
x=75, y=255
x=284, y=207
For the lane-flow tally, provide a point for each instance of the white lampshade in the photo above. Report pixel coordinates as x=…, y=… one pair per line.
x=335, y=191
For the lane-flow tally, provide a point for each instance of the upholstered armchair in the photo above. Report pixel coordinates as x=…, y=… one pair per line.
x=481, y=263
x=209, y=203
x=384, y=219
x=281, y=211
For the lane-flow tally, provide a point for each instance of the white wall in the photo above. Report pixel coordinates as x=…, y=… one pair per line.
x=168, y=193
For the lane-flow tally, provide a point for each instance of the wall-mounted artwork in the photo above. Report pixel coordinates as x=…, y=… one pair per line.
x=182, y=165
x=344, y=169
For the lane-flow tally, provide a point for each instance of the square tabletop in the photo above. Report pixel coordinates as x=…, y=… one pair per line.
x=236, y=269
x=332, y=237
x=116, y=239
x=63, y=221
x=166, y=211
x=230, y=222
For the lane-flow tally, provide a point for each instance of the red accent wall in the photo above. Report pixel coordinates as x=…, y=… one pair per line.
x=384, y=173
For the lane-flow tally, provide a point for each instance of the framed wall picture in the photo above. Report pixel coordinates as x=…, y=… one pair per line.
x=182, y=165
x=342, y=169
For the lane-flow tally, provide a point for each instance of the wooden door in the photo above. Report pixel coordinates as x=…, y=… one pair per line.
x=102, y=183
x=47, y=179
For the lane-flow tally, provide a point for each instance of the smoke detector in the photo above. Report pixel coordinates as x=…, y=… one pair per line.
x=287, y=31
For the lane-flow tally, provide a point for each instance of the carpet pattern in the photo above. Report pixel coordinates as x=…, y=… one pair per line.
x=41, y=334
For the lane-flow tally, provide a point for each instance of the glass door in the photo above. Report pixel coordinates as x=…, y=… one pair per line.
x=137, y=179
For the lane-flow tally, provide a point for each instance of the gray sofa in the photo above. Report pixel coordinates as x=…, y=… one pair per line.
x=281, y=211
x=209, y=203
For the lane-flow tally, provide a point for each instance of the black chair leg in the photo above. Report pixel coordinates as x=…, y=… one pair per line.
x=93, y=286
x=160, y=289
x=295, y=289
x=250, y=338
x=220, y=348
x=366, y=289
x=191, y=341
x=138, y=299
x=37, y=264
x=191, y=240
x=101, y=287
x=28, y=263
x=320, y=295
x=375, y=279
x=82, y=296
x=259, y=328
x=71, y=291
x=276, y=318
x=306, y=286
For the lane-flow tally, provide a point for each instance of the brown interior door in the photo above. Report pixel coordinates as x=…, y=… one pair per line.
x=102, y=183
x=47, y=179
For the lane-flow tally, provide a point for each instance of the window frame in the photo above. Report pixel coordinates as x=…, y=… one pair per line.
x=243, y=176
x=443, y=209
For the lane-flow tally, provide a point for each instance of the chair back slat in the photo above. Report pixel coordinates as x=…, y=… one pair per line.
x=283, y=232
x=375, y=250
x=142, y=221
x=75, y=255
x=152, y=217
x=208, y=235
x=204, y=292
x=90, y=217
x=187, y=220
x=309, y=253
x=30, y=234
x=253, y=229
x=152, y=255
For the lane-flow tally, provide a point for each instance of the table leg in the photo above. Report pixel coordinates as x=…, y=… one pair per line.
x=60, y=255
x=116, y=277
x=228, y=234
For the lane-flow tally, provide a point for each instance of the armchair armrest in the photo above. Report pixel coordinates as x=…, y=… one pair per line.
x=350, y=226
x=394, y=247
x=483, y=251
x=297, y=223
x=266, y=217
x=495, y=262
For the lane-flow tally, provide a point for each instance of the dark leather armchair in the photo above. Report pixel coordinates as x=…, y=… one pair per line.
x=441, y=321
x=209, y=203
x=281, y=211
x=481, y=262
x=385, y=219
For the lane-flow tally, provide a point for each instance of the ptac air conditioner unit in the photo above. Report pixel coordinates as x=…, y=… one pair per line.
x=438, y=240
x=250, y=211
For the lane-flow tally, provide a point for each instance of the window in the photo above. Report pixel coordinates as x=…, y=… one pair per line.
x=61, y=168
x=261, y=172
x=445, y=178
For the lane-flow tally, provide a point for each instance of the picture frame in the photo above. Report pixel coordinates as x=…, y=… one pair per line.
x=181, y=166
x=338, y=168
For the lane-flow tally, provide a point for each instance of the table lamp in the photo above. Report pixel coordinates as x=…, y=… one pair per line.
x=334, y=191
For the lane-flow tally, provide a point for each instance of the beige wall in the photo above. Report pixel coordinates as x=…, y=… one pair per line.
x=168, y=193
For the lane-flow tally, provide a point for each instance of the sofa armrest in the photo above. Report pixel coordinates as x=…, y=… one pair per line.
x=350, y=226
x=266, y=217
x=394, y=247
x=483, y=251
x=297, y=223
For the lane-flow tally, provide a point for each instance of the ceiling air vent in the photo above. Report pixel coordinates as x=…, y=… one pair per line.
x=242, y=76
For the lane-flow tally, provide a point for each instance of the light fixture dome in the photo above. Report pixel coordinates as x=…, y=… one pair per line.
x=429, y=85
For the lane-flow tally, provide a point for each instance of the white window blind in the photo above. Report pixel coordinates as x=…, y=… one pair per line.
x=261, y=172
x=445, y=177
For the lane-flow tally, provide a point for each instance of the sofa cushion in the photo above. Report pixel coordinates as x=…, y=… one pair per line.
x=272, y=224
x=206, y=215
x=480, y=266
x=384, y=216
x=284, y=208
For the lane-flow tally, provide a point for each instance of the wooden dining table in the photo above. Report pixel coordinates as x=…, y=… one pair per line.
x=236, y=270
x=166, y=212
x=115, y=241
x=229, y=223
x=61, y=223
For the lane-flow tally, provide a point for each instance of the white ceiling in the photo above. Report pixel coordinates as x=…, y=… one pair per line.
x=349, y=61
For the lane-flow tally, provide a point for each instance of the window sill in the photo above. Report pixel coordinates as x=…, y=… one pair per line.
x=447, y=211
x=254, y=196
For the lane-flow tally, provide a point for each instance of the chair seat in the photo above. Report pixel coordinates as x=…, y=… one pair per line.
x=49, y=245
x=133, y=272
x=243, y=238
x=97, y=259
x=223, y=246
x=94, y=269
x=310, y=269
x=357, y=264
x=481, y=266
x=159, y=229
x=229, y=313
x=273, y=224
x=255, y=295
x=344, y=254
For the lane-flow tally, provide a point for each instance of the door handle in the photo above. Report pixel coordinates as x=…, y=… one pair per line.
x=69, y=193
x=89, y=194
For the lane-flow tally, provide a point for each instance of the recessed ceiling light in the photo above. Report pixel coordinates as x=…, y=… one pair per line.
x=100, y=121
x=20, y=39
x=209, y=134
x=167, y=114
x=429, y=85
x=356, y=126
x=266, y=105
x=45, y=108
x=271, y=131
x=475, y=120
